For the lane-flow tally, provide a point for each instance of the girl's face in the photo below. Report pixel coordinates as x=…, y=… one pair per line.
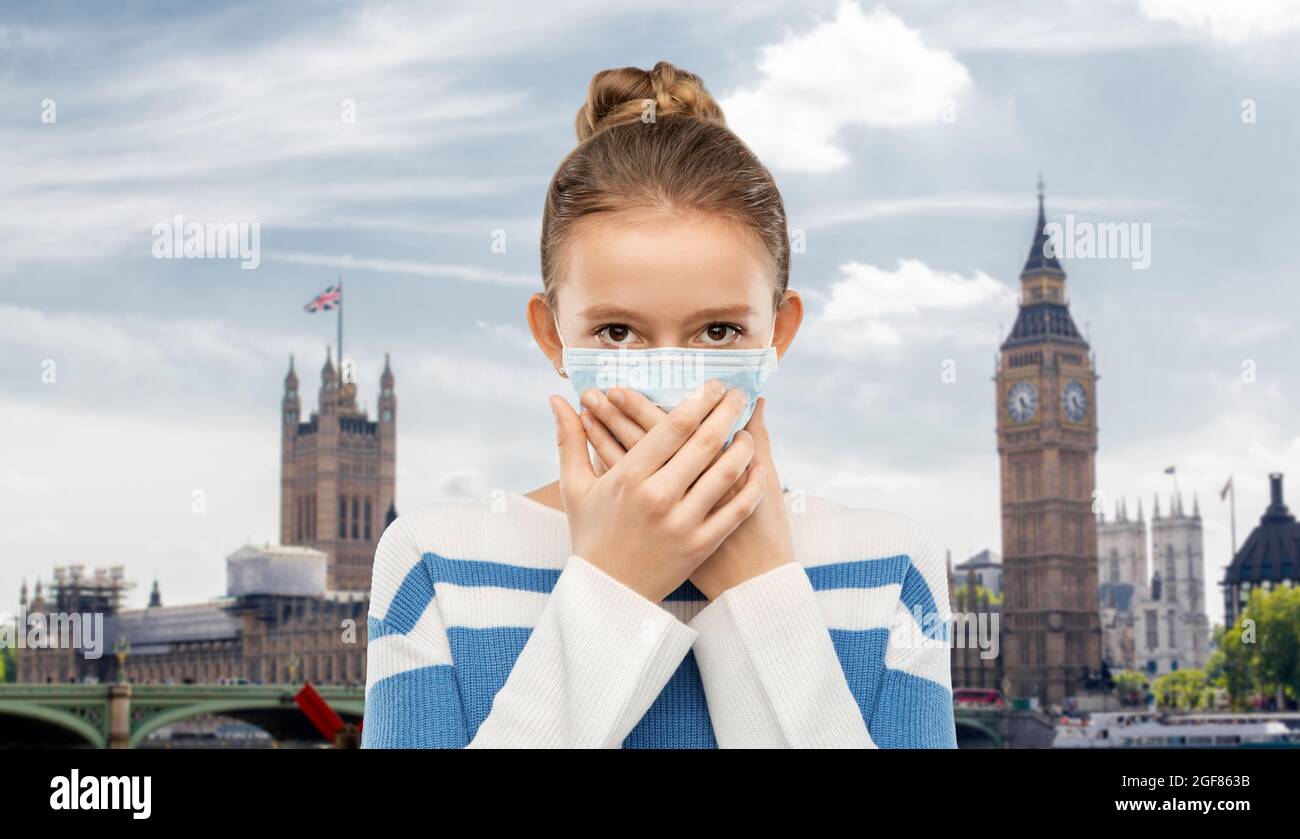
x=639, y=280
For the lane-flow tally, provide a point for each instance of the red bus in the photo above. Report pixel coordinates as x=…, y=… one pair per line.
x=983, y=697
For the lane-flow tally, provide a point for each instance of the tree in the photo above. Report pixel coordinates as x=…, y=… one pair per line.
x=1183, y=690
x=1261, y=652
x=1131, y=687
x=1278, y=657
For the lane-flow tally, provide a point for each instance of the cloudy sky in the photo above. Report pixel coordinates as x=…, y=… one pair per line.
x=906, y=139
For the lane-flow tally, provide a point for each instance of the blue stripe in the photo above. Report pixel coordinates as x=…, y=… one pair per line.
x=409, y=602
x=916, y=593
x=679, y=717
x=376, y=628
x=912, y=712
x=903, y=711
x=415, y=709
x=484, y=658
x=477, y=572
x=862, y=658
x=860, y=573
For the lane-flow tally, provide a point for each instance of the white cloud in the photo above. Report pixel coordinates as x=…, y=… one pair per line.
x=111, y=352
x=1230, y=22
x=871, y=307
x=253, y=128
x=980, y=206
x=858, y=69
x=468, y=273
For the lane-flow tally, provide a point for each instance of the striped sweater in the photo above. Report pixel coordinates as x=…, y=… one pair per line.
x=484, y=631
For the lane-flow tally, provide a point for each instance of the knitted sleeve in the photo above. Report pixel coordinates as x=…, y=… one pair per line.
x=594, y=663
x=913, y=707
x=776, y=675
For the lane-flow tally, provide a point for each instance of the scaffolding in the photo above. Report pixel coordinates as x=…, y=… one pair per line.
x=100, y=592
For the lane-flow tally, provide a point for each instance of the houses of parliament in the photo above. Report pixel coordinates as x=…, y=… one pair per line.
x=291, y=612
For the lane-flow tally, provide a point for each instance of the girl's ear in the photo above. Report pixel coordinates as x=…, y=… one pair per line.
x=788, y=318
x=541, y=322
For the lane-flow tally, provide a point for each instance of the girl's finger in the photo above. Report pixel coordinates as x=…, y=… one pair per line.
x=722, y=477
x=602, y=441
x=576, y=474
x=627, y=432
x=735, y=488
x=757, y=426
x=637, y=406
x=722, y=522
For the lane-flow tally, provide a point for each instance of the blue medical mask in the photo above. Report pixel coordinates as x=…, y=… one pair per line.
x=668, y=375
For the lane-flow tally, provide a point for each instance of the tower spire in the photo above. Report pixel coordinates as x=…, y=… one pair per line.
x=1042, y=255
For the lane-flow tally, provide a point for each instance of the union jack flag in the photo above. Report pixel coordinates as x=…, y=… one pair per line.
x=328, y=299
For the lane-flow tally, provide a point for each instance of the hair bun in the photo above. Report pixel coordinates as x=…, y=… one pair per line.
x=619, y=96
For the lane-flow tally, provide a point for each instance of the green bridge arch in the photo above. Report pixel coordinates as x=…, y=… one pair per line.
x=105, y=715
x=979, y=729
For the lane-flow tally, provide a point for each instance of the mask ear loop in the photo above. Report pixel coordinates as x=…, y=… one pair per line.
x=771, y=343
x=560, y=335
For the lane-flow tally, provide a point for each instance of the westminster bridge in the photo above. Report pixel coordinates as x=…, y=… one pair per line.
x=123, y=715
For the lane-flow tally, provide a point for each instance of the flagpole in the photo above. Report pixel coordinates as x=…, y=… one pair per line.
x=340, y=334
x=1232, y=495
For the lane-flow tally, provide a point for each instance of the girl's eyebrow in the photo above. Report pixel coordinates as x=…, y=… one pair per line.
x=607, y=312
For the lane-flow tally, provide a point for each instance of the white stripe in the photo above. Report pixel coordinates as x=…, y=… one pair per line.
x=425, y=645
x=855, y=609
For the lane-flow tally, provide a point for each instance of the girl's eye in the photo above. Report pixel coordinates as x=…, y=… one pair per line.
x=720, y=333
x=615, y=333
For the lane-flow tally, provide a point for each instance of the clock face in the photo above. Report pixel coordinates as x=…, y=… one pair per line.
x=1074, y=401
x=1022, y=401
x=388, y=415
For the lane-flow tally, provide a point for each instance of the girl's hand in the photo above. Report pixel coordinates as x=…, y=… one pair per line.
x=656, y=514
x=763, y=542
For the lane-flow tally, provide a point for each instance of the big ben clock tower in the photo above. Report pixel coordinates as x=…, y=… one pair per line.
x=1047, y=445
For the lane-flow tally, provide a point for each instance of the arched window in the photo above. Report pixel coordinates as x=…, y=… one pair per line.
x=356, y=514
x=367, y=518
x=343, y=517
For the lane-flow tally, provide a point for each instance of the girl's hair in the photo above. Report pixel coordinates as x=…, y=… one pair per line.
x=656, y=140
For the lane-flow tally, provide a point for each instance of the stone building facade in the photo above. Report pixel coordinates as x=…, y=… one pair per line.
x=338, y=473
x=266, y=629
x=1153, y=604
